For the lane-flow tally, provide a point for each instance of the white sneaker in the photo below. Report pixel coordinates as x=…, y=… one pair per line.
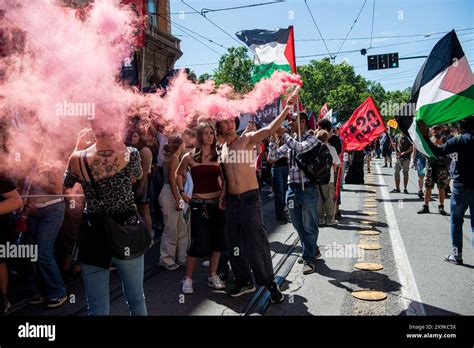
x=187, y=286
x=215, y=282
x=205, y=263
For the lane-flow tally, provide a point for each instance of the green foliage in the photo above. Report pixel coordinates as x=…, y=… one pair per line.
x=342, y=88
x=204, y=77
x=235, y=68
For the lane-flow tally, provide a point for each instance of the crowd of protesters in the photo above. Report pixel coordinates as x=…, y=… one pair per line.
x=198, y=204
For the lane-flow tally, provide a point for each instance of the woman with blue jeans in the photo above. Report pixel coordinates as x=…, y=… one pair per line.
x=114, y=168
x=46, y=210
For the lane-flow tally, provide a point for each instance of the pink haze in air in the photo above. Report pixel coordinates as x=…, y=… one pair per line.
x=66, y=60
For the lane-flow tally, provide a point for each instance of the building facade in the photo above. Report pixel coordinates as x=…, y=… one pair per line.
x=162, y=49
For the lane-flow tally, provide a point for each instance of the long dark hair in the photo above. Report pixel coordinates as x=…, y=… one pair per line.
x=197, y=152
x=142, y=142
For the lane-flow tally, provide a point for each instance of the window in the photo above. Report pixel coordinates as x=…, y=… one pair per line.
x=152, y=13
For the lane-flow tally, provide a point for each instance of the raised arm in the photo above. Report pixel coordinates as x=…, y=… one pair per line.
x=265, y=132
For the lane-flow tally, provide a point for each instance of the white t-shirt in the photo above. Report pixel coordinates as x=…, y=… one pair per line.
x=335, y=160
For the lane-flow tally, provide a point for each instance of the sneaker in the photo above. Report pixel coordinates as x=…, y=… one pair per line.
x=271, y=195
x=420, y=194
x=332, y=223
x=395, y=190
x=187, y=286
x=424, y=210
x=300, y=260
x=451, y=258
x=172, y=267
x=205, y=263
x=441, y=210
x=239, y=290
x=276, y=296
x=36, y=299
x=384, y=166
x=56, y=302
x=215, y=282
x=405, y=191
x=308, y=268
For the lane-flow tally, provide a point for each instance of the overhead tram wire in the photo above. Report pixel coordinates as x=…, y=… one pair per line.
x=202, y=43
x=372, y=30
x=350, y=29
x=389, y=45
x=195, y=33
x=225, y=32
x=207, y=10
x=388, y=36
x=316, y=25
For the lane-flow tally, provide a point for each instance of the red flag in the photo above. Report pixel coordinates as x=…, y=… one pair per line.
x=139, y=7
x=324, y=111
x=364, y=126
x=290, y=50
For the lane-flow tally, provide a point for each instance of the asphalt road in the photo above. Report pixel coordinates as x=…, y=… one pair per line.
x=414, y=277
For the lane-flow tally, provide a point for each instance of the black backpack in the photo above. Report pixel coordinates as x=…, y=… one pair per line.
x=316, y=164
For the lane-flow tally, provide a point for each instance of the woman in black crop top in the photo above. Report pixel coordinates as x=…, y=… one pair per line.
x=207, y=204
x=114, y=168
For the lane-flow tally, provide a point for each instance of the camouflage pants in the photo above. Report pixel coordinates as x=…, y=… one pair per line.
x=438, y=175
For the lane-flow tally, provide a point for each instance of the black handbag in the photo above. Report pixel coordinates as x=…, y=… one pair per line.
x=126, y=241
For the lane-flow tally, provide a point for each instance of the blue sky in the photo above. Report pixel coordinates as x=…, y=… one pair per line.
x=334, y=19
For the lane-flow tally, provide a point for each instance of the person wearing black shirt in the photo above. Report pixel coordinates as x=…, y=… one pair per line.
x=10, y=200
x=462, y=172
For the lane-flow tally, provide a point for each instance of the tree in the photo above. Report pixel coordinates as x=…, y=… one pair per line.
x=235, y=68
x=204, y=77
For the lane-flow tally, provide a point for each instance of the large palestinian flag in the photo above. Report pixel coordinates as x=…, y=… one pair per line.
x=274, y=50
x=443, y=91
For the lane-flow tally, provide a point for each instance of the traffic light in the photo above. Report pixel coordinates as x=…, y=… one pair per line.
x=382, y=61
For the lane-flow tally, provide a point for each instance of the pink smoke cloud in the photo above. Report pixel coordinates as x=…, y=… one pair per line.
x=67, y=60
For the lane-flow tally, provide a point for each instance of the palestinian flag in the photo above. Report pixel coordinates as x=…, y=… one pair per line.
x=274, y=50
x=443, y=91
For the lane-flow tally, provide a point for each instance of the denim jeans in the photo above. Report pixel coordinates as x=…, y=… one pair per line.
x=96, y=283
x=303, y=208
x=44, y=226
x=247, y=240
x=461, y=199
x=280, y=186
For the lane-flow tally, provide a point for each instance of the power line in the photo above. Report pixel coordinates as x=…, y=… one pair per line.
x=372, y=30
x=202, y=43
x=350, y=29
x=207, y=10
x=388, y=36
x=314, y=21
x=229, y=35
x=183, y=27
x=389, y=45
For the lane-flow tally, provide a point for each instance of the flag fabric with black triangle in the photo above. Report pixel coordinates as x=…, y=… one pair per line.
x=443, y=91
x=274, y=50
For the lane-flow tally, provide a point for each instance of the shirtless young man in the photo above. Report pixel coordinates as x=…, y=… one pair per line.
x=246, y=236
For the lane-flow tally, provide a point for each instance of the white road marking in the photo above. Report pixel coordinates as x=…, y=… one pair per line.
x=410, y=295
